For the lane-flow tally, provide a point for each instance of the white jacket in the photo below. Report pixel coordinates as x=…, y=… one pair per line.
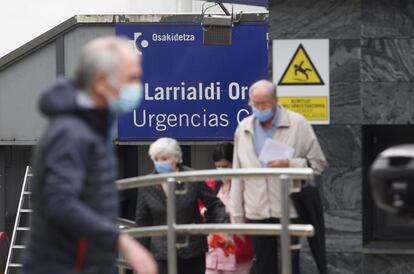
x=259, y=198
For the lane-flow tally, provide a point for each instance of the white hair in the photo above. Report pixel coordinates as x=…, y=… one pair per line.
x=100, y=55
x=166, y=145
x=264, y=83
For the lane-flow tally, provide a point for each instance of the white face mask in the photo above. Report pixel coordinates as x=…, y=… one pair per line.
x=130, y=97
x=263, y=115
x=163, y=166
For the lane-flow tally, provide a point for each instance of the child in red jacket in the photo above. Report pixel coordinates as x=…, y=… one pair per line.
x=226, y=256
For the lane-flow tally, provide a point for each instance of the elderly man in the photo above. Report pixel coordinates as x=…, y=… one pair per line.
x=258, y=200
x=73, y=228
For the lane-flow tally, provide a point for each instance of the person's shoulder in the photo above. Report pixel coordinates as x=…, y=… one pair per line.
x=294, y=117
x=245, y=123
x=185, y=168
x=71, y=128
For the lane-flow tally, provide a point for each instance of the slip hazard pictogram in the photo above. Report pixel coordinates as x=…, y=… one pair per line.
x=301, y=70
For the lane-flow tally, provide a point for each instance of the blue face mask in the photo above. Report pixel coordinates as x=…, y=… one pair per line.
x=130, y=97
x=163, y=167
x=264, y=115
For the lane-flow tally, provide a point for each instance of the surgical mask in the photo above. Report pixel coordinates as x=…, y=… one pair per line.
x=264, y=115
x=130, y=97
x=163, y=167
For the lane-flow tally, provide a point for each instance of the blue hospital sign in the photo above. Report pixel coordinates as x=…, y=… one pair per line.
x=193, y=91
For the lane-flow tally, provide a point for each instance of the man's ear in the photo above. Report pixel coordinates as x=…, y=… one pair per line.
x=100, y=83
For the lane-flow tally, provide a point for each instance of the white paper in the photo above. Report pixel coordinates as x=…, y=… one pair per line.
x=275, y=150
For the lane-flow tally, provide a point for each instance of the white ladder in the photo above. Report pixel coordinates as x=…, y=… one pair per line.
x=21, y=226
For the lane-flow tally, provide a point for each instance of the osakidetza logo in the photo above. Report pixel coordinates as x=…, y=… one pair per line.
x=139, y=42
x=173, y=37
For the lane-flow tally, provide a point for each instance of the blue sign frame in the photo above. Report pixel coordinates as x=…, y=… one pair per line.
x=193, y=92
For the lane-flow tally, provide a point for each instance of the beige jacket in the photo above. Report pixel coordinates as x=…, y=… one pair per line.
x=260, y=198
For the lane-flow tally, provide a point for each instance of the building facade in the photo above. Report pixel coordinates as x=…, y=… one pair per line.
x=371, y=108
x=372, y=103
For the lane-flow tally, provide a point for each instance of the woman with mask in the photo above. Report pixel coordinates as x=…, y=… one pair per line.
x=151, y=210
x=226, y=260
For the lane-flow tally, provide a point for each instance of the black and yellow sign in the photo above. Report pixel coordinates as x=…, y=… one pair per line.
x=312, y=108
x=301, y=70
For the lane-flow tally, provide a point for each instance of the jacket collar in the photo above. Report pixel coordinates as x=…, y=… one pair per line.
x=100, y=120
x=158, y=188
x=250, y=120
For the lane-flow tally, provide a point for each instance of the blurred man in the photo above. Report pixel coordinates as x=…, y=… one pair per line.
x=259, y=199
x=73, y=227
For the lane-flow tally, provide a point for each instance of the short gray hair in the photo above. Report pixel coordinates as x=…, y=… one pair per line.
x=99, y=55
x=264, y=83
x=167, y=145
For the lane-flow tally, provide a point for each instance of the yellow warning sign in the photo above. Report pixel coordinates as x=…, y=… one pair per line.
x=301, y=70
x=312, y=108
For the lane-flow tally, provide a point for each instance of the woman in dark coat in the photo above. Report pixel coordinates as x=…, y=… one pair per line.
x=151, y=211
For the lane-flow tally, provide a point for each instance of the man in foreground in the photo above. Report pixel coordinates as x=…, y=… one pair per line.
x=75, y=204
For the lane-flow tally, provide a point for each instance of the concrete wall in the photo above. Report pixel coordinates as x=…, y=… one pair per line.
x=20, y=86
x=372, y=72
x=2, y=190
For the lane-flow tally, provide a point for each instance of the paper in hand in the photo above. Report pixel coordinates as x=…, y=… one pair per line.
x=275, y=150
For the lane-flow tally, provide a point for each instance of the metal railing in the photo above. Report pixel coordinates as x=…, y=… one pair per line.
x=285, y=230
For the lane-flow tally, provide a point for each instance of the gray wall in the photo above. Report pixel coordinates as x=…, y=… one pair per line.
x=20, y=86
x=76, y=39
x=2, y=190
x=387, y=88
x=372, y=72
x=22, y=83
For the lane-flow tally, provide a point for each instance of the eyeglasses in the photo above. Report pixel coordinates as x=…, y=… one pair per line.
x=261, y=105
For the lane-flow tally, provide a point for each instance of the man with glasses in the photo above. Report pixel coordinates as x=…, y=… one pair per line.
x=258, y=200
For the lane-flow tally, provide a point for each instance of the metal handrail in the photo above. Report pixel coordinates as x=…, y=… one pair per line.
x=296, y=230
x=125, y=223
x=198, y=175
x=171, y=229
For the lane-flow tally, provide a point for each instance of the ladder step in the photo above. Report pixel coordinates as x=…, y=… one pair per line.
x=15, y=265
x=12, y=261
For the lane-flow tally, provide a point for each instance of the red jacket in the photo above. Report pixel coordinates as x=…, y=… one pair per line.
x=244, y=249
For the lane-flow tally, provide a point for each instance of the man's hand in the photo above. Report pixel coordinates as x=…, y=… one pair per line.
x=278, y=163
x=136, y=255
